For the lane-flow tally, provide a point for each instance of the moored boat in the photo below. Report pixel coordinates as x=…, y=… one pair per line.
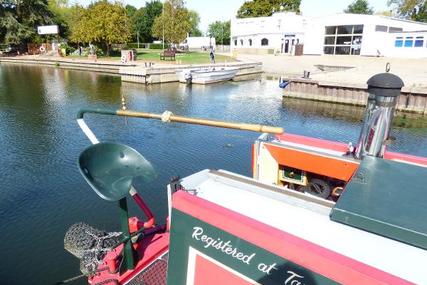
x=207, y=75
x=224, y=228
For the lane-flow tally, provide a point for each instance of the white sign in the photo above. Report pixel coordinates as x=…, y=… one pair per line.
x=47, y=30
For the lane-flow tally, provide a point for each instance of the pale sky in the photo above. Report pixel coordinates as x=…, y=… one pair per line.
x=213, y=10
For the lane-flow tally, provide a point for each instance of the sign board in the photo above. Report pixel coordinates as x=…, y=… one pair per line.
x=47, y=30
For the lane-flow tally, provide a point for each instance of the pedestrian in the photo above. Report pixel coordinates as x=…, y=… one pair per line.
x=212, y=55
x=80, y=50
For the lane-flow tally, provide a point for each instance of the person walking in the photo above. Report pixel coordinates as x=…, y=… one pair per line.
x=212, y=56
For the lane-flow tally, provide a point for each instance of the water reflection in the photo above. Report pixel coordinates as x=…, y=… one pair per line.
x=42, y=192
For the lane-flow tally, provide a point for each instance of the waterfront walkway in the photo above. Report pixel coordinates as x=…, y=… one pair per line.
x=412, y=71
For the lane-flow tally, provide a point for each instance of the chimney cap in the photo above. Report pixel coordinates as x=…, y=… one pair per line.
x=385, y=81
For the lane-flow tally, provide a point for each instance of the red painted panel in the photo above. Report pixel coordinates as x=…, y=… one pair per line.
x=342, y=147
x=323, y=261
x=208, y=273
x=336, y=146
x=406, y=157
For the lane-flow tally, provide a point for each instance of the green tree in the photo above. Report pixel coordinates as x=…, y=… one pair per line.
x=130, y=10
x=60, y=10
x=195, y=21
x=359, y=7
x=265, y=8
x=143, y=20
x=220, y=31
x=411, y=9
x=174, y=22
x=19, y=21
x=104, y=24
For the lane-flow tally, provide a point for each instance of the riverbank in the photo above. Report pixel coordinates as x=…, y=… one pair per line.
x=344, y=70
x=105, y=66
x=146, y=72
x=342, y=79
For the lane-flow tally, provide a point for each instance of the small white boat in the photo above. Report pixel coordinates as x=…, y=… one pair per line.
x=207, y=75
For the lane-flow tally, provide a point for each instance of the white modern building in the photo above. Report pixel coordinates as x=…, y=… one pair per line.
x=194, y=43
x=340, y=34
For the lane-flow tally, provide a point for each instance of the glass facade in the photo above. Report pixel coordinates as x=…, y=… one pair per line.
x=343, y=40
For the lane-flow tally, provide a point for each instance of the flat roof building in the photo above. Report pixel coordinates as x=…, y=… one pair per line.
x=339, y=34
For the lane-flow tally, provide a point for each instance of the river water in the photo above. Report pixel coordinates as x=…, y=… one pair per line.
x=42, y=192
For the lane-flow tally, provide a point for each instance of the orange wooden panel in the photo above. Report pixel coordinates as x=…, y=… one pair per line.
x=312, y=162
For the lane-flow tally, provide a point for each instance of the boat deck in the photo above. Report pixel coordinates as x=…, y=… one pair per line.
x=154, y=274
x=307, y=218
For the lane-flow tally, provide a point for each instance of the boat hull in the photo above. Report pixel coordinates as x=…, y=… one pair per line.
x=207, y=76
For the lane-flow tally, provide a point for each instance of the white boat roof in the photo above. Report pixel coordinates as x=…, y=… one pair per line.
x=268, y=204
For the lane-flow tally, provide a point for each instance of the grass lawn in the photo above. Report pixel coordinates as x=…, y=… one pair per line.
x=184, y=58
x=153, y=55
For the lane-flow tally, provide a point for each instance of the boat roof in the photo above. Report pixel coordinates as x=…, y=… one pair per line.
x=307, y=217
x=388, y=198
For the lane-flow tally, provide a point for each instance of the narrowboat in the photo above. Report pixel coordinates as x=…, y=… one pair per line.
x=315, y=212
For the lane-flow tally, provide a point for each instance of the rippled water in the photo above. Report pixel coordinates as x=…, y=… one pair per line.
x=42, y=192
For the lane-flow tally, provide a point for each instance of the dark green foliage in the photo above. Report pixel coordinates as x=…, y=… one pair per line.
x=156, y=46
x=19, y=21
x=194, y=20
x=220, y=31
x=359, y=7
x=143, y=20
x=130, y=10
x=265, y=8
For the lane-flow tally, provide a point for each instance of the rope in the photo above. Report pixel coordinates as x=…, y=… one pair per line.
x=166, y=116
x=70, y=279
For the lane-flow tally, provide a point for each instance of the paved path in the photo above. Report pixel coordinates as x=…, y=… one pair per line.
x=412, y=71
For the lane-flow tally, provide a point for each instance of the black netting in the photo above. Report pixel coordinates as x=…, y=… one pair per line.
x=90, y=245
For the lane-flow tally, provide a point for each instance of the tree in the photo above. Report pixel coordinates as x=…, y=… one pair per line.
x=19, y=21
x=359, y=7
x=174, y=23
x=143, y=20
x=220, y=31
x=411, y=9
x=102, y=23
x=195, y=21
x=265, y=8
x=60, y=10
x=130, y=10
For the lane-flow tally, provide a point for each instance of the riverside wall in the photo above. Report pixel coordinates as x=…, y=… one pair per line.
x=168, y=73
x=97, y=66
x=412, y=100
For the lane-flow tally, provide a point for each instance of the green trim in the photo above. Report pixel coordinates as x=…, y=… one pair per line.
x=128, y=252
x=181, y=240
x=81, y=112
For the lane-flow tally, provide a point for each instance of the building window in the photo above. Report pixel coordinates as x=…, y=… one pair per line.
x=250, y=42
x=419, y=42
x=343, y=39
x=241, y=42
x=345, y=30
x=394, y=30
x=330, y=40
x=379, y=28
x=409, y=41
x=331, y=30
x=264, y=42
x=329, y=50
x=398, y=42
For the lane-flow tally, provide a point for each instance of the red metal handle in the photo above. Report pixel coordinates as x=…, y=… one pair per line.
x=147, y=212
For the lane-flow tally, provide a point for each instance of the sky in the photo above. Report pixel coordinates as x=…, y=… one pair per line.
x=213, y=10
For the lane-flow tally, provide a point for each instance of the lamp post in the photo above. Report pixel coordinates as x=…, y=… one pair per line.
x=163, y=23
